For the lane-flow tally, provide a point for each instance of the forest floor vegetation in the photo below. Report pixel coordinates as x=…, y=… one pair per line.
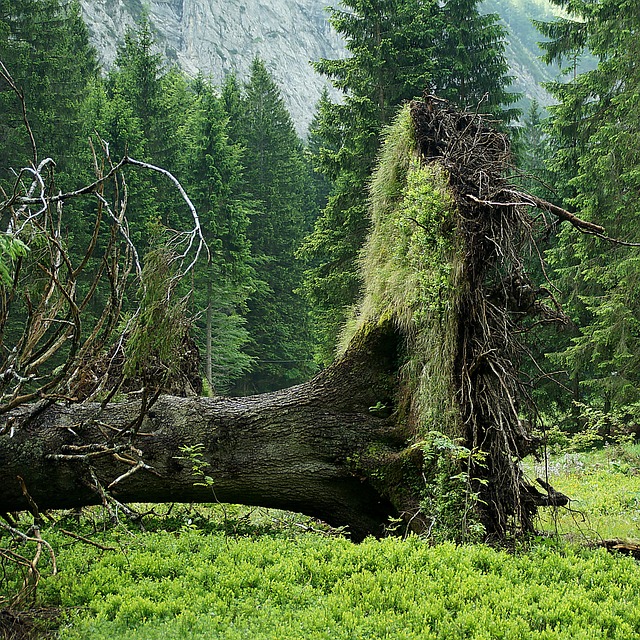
x=604, y=484
x=234, y=572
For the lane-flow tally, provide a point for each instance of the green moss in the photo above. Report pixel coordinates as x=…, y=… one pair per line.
x=412, y=270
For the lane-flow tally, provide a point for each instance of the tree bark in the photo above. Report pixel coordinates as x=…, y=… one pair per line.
x=297, y=449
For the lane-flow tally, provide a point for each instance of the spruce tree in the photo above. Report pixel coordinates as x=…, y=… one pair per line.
x=145, y=107
x=211, y=169
x=277, y=182
x=45, y=47
x=399, y=48
x=598, y=140
x=534, y=149
x=471, y=69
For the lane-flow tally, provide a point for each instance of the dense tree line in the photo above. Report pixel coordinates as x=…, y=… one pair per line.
x=585, y=156
x=235, y=151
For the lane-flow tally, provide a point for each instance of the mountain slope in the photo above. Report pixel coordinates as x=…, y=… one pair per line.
x=216, y=37
x=522, y=48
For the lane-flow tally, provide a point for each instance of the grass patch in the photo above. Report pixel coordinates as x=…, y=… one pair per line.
x=186, y=579
x=604, y=487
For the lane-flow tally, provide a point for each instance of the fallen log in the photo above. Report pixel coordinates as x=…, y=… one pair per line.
x=293, y=449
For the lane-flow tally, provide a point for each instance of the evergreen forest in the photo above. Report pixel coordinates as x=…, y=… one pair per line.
x=382, y=381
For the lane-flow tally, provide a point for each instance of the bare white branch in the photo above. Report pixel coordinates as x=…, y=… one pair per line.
x=123, y=228
x=190, y=236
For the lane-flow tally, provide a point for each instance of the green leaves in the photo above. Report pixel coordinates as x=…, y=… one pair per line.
x=189, y=585
x=194, y=455
x=11, y=249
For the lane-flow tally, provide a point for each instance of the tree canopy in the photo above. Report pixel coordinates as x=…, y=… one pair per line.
x=595, y=165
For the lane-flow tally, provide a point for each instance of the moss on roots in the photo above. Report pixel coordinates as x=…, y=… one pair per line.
x=443, y=263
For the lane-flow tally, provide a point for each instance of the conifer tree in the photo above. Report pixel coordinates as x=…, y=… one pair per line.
x=211, y=168
x=277, y=182
x=314, y=143
x=146, y=105
x=45, y=47
x=533, y=149
x=598, y=139
x=471, y=69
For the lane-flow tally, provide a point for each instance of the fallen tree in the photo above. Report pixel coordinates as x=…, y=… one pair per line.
x=420, y=419
x=292, y=449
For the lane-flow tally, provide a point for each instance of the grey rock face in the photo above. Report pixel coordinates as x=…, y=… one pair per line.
x=216, y=37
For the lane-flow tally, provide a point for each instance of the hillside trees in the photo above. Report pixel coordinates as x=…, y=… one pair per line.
x=598, y=140
x=45, y=47
x=398, y=49
x=276, y=180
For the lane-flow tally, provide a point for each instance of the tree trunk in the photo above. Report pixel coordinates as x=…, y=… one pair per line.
x=296, y=449
x=209, y=354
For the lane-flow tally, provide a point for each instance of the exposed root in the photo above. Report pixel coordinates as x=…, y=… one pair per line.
x=496, y=298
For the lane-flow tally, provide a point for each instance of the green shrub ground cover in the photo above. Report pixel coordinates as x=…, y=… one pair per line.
x=185, y=578
x=200, y=586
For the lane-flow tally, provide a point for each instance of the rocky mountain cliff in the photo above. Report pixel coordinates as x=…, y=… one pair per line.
x=216, y=37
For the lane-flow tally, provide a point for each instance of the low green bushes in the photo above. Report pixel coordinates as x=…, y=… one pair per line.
x=258, y=575
x=192, y=585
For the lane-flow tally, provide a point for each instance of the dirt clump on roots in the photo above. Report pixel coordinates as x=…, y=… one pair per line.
x=106, y=375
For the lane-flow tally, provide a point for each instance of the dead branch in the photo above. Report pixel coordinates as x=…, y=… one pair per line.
x=32, y=574
x=559, y=212
x=77, y=536
x=183, y=239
